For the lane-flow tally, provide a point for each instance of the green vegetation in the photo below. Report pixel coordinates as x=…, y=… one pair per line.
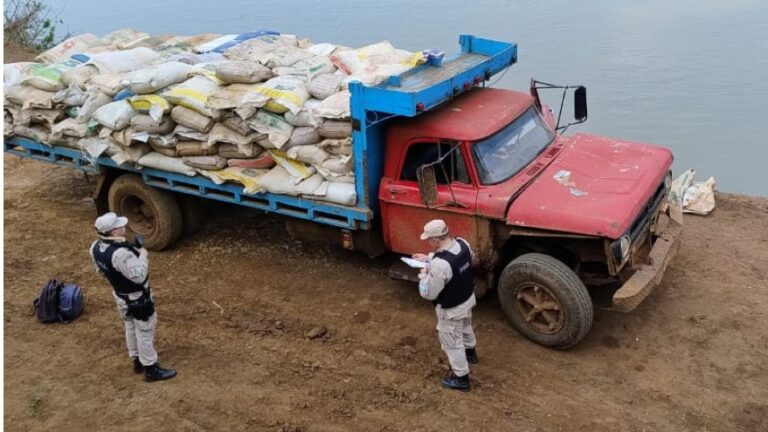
x=28, y=24
x=33, y=406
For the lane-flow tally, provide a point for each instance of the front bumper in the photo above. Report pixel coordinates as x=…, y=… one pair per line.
x=648, y=276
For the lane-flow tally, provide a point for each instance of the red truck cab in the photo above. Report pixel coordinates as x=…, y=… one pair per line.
x=547, y=215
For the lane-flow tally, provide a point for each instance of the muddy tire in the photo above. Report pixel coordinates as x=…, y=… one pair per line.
x=153, y=213
x=545, y=301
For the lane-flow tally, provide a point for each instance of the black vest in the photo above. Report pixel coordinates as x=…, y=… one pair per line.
x=461, y=286
x=120, y=283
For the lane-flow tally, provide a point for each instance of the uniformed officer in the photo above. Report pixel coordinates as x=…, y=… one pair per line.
x=448, y=282
x=126, y=267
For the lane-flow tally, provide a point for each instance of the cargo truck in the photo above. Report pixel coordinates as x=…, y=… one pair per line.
x=559, y=224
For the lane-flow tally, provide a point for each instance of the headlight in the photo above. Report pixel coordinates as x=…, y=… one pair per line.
x=668, y=181
x=620, y=249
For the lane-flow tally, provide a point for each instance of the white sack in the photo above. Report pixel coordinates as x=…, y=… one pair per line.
x=166, y=163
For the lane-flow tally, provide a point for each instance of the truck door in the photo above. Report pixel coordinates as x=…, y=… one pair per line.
x=403, y=213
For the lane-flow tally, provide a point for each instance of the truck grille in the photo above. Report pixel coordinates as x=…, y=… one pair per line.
x=648, y=212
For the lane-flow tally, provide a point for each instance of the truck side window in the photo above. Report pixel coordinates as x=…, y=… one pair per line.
x=453, y=167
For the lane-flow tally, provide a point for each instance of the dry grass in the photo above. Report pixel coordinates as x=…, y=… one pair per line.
x=29, y=24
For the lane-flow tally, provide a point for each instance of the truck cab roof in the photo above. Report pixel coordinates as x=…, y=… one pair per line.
x=472, y=116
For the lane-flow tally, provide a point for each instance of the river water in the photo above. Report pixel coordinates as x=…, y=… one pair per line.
x=691, y=75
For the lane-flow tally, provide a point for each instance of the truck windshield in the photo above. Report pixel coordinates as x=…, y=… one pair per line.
x=503, y=154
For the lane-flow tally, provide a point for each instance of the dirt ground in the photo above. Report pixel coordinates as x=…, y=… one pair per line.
x=692, y=357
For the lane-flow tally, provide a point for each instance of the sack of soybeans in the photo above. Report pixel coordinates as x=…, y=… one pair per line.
x=193, y=93
x=243, y=72
x=285, y=93
x=275, y=126
x=191, y=119
x=215, y=162
x=195, y=148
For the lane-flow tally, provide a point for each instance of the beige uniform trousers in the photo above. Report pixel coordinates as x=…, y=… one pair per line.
x=454, y=330
x=139, y=335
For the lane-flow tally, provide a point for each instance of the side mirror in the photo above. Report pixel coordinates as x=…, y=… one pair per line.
x=580, y=104
x=427, y=185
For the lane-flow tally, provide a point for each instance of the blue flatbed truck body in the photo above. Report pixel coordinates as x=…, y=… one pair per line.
x=415, y=91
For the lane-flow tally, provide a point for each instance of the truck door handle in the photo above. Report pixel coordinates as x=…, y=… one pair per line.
x=396, y=191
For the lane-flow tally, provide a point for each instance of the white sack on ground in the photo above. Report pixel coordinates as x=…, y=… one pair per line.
x=699, y=198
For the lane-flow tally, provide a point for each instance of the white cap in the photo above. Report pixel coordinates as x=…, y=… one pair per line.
x=109, y=221
x=434, y=228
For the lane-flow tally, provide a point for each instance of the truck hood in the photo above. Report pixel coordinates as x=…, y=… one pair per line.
x=596, y=186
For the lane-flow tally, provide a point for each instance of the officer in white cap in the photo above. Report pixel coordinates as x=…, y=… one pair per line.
x=126, y=267
x=448, y=282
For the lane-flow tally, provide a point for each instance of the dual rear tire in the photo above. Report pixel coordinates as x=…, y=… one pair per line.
x=159, y=216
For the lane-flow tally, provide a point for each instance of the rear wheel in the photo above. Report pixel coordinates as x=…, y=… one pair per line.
x=153, y=213
x=545, y=301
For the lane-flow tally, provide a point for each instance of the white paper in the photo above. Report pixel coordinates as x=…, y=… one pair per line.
x=414, y=263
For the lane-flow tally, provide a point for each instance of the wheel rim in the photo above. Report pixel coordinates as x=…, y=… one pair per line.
x=539, y=308
x=139, y=214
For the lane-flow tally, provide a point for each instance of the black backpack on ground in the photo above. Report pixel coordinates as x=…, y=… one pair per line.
x=58, y=302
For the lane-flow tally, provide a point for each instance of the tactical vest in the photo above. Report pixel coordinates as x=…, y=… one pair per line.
x=121, y=284
x=461, y=286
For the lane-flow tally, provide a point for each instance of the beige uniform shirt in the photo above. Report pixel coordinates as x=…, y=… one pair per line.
x=438, y=275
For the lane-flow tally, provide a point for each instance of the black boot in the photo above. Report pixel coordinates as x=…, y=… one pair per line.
x=471, y=355
x=156, y=373
x=137, y=366
x=454, y=382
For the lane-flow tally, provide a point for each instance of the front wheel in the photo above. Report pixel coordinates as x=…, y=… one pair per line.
x=545, y=301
